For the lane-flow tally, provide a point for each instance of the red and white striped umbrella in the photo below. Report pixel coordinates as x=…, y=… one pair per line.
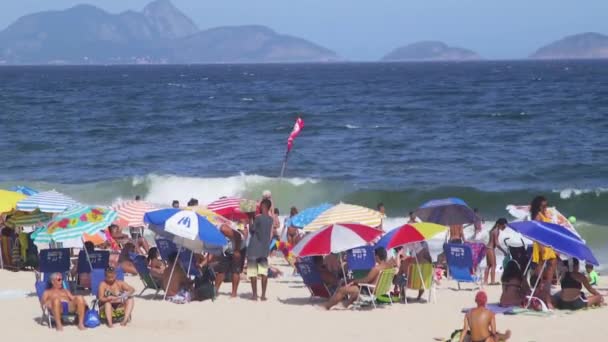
x=231, y=207
x=131, y=213
x=335, y=238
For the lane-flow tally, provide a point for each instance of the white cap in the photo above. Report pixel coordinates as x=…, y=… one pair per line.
x=266, y=194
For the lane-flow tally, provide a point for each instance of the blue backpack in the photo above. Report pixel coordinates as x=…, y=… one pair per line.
x=91, y=319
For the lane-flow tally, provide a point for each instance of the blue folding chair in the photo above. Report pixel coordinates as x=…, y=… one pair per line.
x=97, y=276
x=186, y=257
x=312, y=279
x=55, y=260
x=97, y=259
x=141, y=264
x=460, y=263
x=360, y=261
x=165, y=248
x=47, y=316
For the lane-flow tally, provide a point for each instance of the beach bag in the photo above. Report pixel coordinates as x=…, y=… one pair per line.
x=91, y=319
x=205, y=285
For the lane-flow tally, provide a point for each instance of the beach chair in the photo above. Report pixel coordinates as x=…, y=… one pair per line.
x=186, y=257
x=55, y=260
x=371, y=293
x=97, y=276
x=360, y=261
x=47, y=316
x=97, y=259
x=140, y=263
x=420, y=277
x=460, y=263
x=312, y=279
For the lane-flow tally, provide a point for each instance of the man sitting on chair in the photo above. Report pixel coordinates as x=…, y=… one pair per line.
x=352, y=289
x=60, y=301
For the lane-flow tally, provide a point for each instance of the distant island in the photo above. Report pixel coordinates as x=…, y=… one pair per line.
x=430, y=51
x=160, y=34
x=580, y=46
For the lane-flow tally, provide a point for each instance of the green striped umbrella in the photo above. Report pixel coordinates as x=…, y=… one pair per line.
x=74, y=223
x=25, y=219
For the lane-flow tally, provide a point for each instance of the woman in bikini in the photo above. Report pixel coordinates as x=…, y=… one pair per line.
x=115, y=295
x=499, y=226
x=156, y=266
x=570, y=297
x=515, y=287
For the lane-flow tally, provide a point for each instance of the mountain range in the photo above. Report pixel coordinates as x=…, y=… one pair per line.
x=588, y=45
x=85, y=34
x=430, y=51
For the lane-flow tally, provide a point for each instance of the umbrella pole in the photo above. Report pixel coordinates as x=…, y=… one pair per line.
x=87, y=254
x=171, y=274
x=420, y=272
x=343, y=269
x=1, y=257
x=190, y=263
x=540, y=276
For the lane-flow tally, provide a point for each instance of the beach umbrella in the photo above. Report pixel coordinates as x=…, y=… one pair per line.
x=22, y=189
x=216, y=219
x=233, y=208
x=447, y=212
x=345, y=213
x=556, y=237
x=131, y=213
x=307, y=215
x=522, y=212
x=335, y=238
x=410, y=233
x=28, y=219
x=47, y=202
x=184, y=226
x=9, y=200
x=74, y=223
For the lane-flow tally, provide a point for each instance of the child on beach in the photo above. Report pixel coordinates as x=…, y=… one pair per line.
x=592, y=275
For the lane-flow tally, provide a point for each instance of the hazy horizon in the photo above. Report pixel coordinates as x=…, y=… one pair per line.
x=365, y=32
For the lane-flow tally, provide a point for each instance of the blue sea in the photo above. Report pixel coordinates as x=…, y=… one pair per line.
x=492, y=133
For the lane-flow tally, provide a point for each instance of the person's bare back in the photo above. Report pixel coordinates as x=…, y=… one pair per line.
x=481, y=323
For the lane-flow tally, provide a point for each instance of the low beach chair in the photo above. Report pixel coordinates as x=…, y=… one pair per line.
x=312, y=279
x=186, y=257
x=370, y=293
x=360, y=261
x=97, y=276
x=97, y=259
x=47, y=316
x=55, y=260
x=420, y=277
x=460, y=264
x=140, y=263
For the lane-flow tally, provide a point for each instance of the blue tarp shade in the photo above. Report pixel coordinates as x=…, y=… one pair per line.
x=552, y=235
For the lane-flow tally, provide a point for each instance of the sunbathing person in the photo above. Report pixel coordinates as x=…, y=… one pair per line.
x=176, y=283
x=327, y=277
x=124, y=259
x=515, y=287
x=352, y=289
x=156, y=266
x=60, y=301
x=480, y=323
x=84, y=278
x=139, y=241
x=572, y=282
x=115, y=295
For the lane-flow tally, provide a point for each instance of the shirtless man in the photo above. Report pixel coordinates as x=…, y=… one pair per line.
x=114, y=294
x=480, y=323
x=493, y=243
x=352, y=289
x=178, y=283
x=456, y=233
x=61, y=301
x=232, y=259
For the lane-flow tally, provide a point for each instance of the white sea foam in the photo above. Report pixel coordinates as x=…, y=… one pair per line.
x=573, y=192
x=349, y=126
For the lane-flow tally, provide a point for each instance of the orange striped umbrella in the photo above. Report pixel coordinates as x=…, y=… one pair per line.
x=131, y=213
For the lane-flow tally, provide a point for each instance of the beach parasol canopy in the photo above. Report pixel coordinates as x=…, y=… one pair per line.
x=447, y=212
x=26, y=190
x=9, y=200
x=556, y=237
x=522, y=212
x=307, y=215
x=47, y=202
x=410, y=233
x=216, y=219
x=184, y=226
x=28, y=219
x=131, y=213
x=335, y=238
x=345, y=213
x=74, y=223
x=233, y=208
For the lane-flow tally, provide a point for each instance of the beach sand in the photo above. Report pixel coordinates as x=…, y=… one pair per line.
x=289, y=315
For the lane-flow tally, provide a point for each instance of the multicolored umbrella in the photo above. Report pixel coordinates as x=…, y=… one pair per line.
x=232, y=208
x=335, y=238
x=26, y=190
x=308, y=215
x=74, y=223
x=25, y=219
x=410, y=233
x=447, y=212
x=131, y=213
x=47, y=202
x=9, y=200
x=345, y=213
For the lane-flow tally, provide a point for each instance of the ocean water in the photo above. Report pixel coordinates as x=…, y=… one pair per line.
x=492, y=133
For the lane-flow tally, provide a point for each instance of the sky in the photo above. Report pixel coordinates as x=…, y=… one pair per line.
x=368, y=29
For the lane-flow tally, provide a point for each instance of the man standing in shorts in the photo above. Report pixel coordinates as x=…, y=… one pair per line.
x=257, y=251
x=231, y=260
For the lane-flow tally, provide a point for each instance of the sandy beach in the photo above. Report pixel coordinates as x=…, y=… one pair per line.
x=289, y=315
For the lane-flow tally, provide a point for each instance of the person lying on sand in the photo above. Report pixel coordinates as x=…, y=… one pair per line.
x=480, y=323
x=351, y=290
x=60, y=301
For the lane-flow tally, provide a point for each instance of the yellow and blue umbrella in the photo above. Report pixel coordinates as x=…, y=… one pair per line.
x=74, y=223
x=410, y=233
x=345, y=213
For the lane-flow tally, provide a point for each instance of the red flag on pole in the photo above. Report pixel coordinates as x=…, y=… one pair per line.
x=297, y=128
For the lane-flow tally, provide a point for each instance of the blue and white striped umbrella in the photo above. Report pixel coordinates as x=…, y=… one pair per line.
x=47, y=202
x=185, y=226
x=74, y=223
x=22, y=189
x=307, y=215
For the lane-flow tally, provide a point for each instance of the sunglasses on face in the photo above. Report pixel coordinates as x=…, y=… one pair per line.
x=58, y=279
